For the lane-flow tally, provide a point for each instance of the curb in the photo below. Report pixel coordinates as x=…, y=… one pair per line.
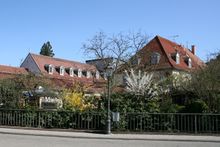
x=111, y=136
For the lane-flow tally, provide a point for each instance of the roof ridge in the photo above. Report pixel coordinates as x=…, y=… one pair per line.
x=158, y=38
x=167, y=40
x=59, y=59
x=11, y=66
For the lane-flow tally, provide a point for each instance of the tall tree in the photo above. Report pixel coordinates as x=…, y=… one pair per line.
x=46, y=49
x=206, y=83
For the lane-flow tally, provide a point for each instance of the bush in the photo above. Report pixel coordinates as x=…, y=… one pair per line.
x=128, y=102
x=10, y=94
x=197, y=106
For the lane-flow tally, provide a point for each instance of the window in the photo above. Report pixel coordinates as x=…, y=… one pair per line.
x=189, y=63
x=75, y=72
x=84, y=73
x=79, y=73
x=97, y=75
x=177, y=58
x=50, y=69
x=155, y=58
x=136, y=61
x=71, y=72
x=62, y=70
x=88, y=74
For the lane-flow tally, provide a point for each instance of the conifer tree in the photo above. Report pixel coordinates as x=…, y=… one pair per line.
x=46, y=50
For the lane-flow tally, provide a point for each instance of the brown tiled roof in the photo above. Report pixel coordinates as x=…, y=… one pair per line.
x=171, y=47
x=66, y=80
x=12, y=70
x=168, y=48
x=41, y=61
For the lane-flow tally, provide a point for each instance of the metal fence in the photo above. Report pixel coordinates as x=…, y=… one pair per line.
x=52, y=119
x=133, y=122
x=170, y=122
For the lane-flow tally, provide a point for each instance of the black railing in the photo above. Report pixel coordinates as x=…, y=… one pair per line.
x=52, y=119
x=133, y=122
x=170, y=122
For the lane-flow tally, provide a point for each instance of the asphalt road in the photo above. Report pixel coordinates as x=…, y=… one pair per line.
x=8, y=140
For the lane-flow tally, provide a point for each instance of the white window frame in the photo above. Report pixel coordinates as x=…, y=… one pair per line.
x=50, y=69
x=190, y=63
x=88, y=74
x=71, y=72
x=97, y=75
x=177, y=58
x=79, y=73
x=155, y=58
x=62, y=70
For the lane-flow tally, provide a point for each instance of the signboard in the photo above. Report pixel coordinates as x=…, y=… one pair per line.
x=50, y=103
x=115, y=116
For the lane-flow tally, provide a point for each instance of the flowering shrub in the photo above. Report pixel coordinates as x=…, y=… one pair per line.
x=74, y=99
x=140, y=83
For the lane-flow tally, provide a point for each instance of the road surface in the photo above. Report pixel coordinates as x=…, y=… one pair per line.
x=11, y=140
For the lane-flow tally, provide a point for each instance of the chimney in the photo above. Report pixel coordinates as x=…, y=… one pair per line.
x=193, y=49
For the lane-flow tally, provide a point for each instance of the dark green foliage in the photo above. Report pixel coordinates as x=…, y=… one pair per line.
x=206, y=84
x=11, y=90
x=168, y=106
x=46, y=50
x=10, y=94
x=197, y=106
x=127, y=102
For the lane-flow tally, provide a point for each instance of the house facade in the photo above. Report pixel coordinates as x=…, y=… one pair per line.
x=163, y=58
x=160, y=56
x=64, y=73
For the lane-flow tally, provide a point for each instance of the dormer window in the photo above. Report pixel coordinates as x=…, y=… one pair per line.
x=84, y=73
x=75, y=71
x=62, y=70
x=188, y=61
x=88, y=74
x=97, y=75
x=176, y=57
x=71, y=72
x=79, y=73
x=155, y=58
x=50, y=69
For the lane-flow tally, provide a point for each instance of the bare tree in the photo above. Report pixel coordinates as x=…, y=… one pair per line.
x=120, y=47
x=97, y=46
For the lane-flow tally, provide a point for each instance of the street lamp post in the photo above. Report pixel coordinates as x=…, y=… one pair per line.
x=109, y=71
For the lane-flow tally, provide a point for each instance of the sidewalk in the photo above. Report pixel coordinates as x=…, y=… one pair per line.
x=85, y=135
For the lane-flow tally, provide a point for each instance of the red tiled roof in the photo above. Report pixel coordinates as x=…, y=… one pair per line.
x=66, y=80
x=168, y=48
x=12, y=70
x=41, y=61
x=171, y=47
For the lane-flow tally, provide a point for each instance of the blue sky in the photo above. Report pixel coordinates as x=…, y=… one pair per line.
x=26, y=24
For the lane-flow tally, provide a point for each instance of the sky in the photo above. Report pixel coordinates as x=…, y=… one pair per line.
x=26, y=24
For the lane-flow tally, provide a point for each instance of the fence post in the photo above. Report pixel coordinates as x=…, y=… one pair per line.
x=38, y=119
x=195, y=120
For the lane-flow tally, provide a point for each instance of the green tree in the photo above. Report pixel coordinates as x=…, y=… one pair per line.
x=46, y=49
x=206, y=82
x=10, y=94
